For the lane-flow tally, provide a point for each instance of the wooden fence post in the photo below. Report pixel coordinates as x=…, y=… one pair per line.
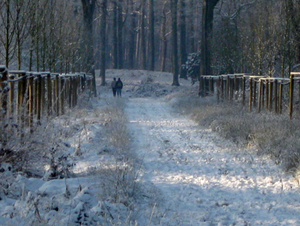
x=30, y=101
x=231, y=88
x=39, y=96
x=56, y=95
x=218, y=88
x=21, y=106
x=70, y=92
x=43, y=92
x=227, y=87
x=11, y=95
x=259, y=94
x=250, y=94
x=49, y=95
x=276, y=95
x=244, y=89
x=62, y=95
x=254, y=92
x=280, y=97
x=270, y=95
x=291, y=95
x=222, y=88
x=236, y=87
x=3, y=102
x=3, y=91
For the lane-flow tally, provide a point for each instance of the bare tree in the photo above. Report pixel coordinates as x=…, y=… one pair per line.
x=103, y=41
x=7, y=30
x=183, y=47
x=207, y=25
x=151, y=35
x=174, y=42
x=88, y=7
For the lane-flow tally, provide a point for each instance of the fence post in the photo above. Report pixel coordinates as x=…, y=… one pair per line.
x=222, y=88
x=270, y=95
x=30, y=101
x=3, y=102
x=70, y=92
x=62, y=95
x=231, y=88
x=276, y=95
x=280, y=97
x=267, y=94
x=43, y=100
x=236, y=87
x=218, y=88
x=259, y=94
x=244, y=89
x=291, y=95
x=263, y=89
x=250, y=94
x=56, y=95
x=227, y=87
x=254, y=92
x=49, y=95
x=39, y=96
x=21, y=107
x=3, y=91
x=11, y=95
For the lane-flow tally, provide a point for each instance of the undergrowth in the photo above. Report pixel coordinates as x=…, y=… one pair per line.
x=271, y=134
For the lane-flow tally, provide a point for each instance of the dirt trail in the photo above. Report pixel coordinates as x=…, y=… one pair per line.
x=203, y=179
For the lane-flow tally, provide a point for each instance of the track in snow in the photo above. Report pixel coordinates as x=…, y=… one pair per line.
x=203, y=179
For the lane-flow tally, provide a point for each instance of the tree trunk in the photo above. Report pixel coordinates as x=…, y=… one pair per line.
x=207, y=25
x=115, y=35
x=103, y=41
x=142, y=37
x=174, y=42
x=120, y=35
x=151, y=34
x=183, y=54
x=164, y=41
x=132, y=36
x=192, y=29
x=88, y=7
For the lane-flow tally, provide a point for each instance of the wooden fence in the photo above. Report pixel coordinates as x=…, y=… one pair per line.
x=260, y=92
x=28, y=97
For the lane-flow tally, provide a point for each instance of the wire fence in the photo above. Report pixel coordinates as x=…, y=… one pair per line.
x=261, y=93
x=28, y=97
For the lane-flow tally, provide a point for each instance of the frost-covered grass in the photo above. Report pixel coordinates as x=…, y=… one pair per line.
x=274, y=135
x=81, y=160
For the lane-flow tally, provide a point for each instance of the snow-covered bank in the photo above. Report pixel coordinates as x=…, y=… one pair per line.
x=178, y=173
x=205, y=180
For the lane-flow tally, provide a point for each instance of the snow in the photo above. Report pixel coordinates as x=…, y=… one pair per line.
x=185, y=174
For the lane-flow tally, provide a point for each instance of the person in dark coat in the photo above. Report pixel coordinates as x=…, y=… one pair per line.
x=119, y=86
x=113, y=87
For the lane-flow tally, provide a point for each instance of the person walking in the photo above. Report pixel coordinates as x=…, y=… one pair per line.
x=113, y=86
x=119, y=86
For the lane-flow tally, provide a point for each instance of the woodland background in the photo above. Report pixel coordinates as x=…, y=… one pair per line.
x=250, y=36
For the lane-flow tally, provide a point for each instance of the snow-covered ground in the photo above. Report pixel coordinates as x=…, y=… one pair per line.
x=185, y=174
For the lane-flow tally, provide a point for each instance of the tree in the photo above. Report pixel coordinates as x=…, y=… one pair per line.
x=88, y=7
x=132, y=35
x=103, y=41
x=182, y=26
x=151, y=34
x=174, y=42
x=142, y=49
x=207, y=25
x=164, y=41
x=7, y=31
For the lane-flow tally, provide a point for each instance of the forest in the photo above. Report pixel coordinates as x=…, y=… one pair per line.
x=243, y=36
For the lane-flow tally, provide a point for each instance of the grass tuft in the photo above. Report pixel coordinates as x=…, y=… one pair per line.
x=273, y=135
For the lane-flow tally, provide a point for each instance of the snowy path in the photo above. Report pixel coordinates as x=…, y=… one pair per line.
x=203, y=180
